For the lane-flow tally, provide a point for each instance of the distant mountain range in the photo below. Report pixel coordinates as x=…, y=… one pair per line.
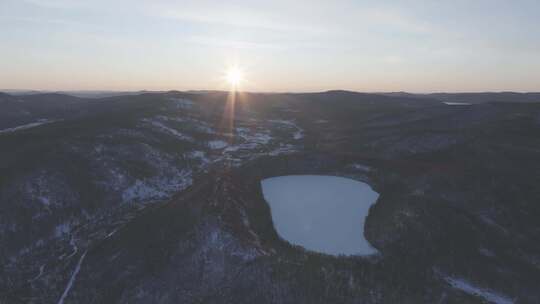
x=473, y=97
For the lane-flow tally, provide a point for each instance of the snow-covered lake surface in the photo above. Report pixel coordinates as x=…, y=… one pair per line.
x=321, y=213
x=457, y=103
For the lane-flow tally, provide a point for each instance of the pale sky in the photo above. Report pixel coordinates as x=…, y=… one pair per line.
x=416, y=46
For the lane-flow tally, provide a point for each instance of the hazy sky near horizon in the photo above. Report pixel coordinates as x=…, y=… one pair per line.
x=408, y=45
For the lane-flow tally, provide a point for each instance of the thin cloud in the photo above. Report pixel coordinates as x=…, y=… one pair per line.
x=237, y=17
x=231, y=43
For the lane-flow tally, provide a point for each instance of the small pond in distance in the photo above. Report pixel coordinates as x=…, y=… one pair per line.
x=321, y=213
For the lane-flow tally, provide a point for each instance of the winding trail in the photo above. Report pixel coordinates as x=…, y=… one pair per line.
x=72, y=279
x=27, y=126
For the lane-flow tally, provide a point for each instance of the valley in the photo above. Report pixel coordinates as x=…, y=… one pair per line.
x=157, y=197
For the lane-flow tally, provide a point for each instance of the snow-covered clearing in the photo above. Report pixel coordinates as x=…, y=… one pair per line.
x=361, y=167
x=298, y=133
x=162, y=127
x=282, y=149
x=158, y=187
x=190, y=123
x=217, y=144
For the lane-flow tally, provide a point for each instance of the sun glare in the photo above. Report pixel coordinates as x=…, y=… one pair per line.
x=234, y=76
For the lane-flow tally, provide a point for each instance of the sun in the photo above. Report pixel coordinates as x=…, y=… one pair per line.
x=234, y=76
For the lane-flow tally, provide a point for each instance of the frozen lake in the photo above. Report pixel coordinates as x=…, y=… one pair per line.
x=457, y=103
x=321, y=213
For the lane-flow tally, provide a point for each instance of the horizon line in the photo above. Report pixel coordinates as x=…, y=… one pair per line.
x=142, y=91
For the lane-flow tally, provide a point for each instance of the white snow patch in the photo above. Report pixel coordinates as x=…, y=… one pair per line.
x=182, y=103
x=169, y=173
x=261, y=138
x=193, y=123
x=62, y=229
x=141, y=190
x=232, y=148
x=169, y=130
x=250, y=140
x=200, y=156
x=282, y=149
x=298, y=134
x=44, y=200
x=321, y=213
x=215, y=239
x=282, y=121
x=197, y=154
x=361, y=167
x=217, y=144
x=158, y=187
x=487, y=294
